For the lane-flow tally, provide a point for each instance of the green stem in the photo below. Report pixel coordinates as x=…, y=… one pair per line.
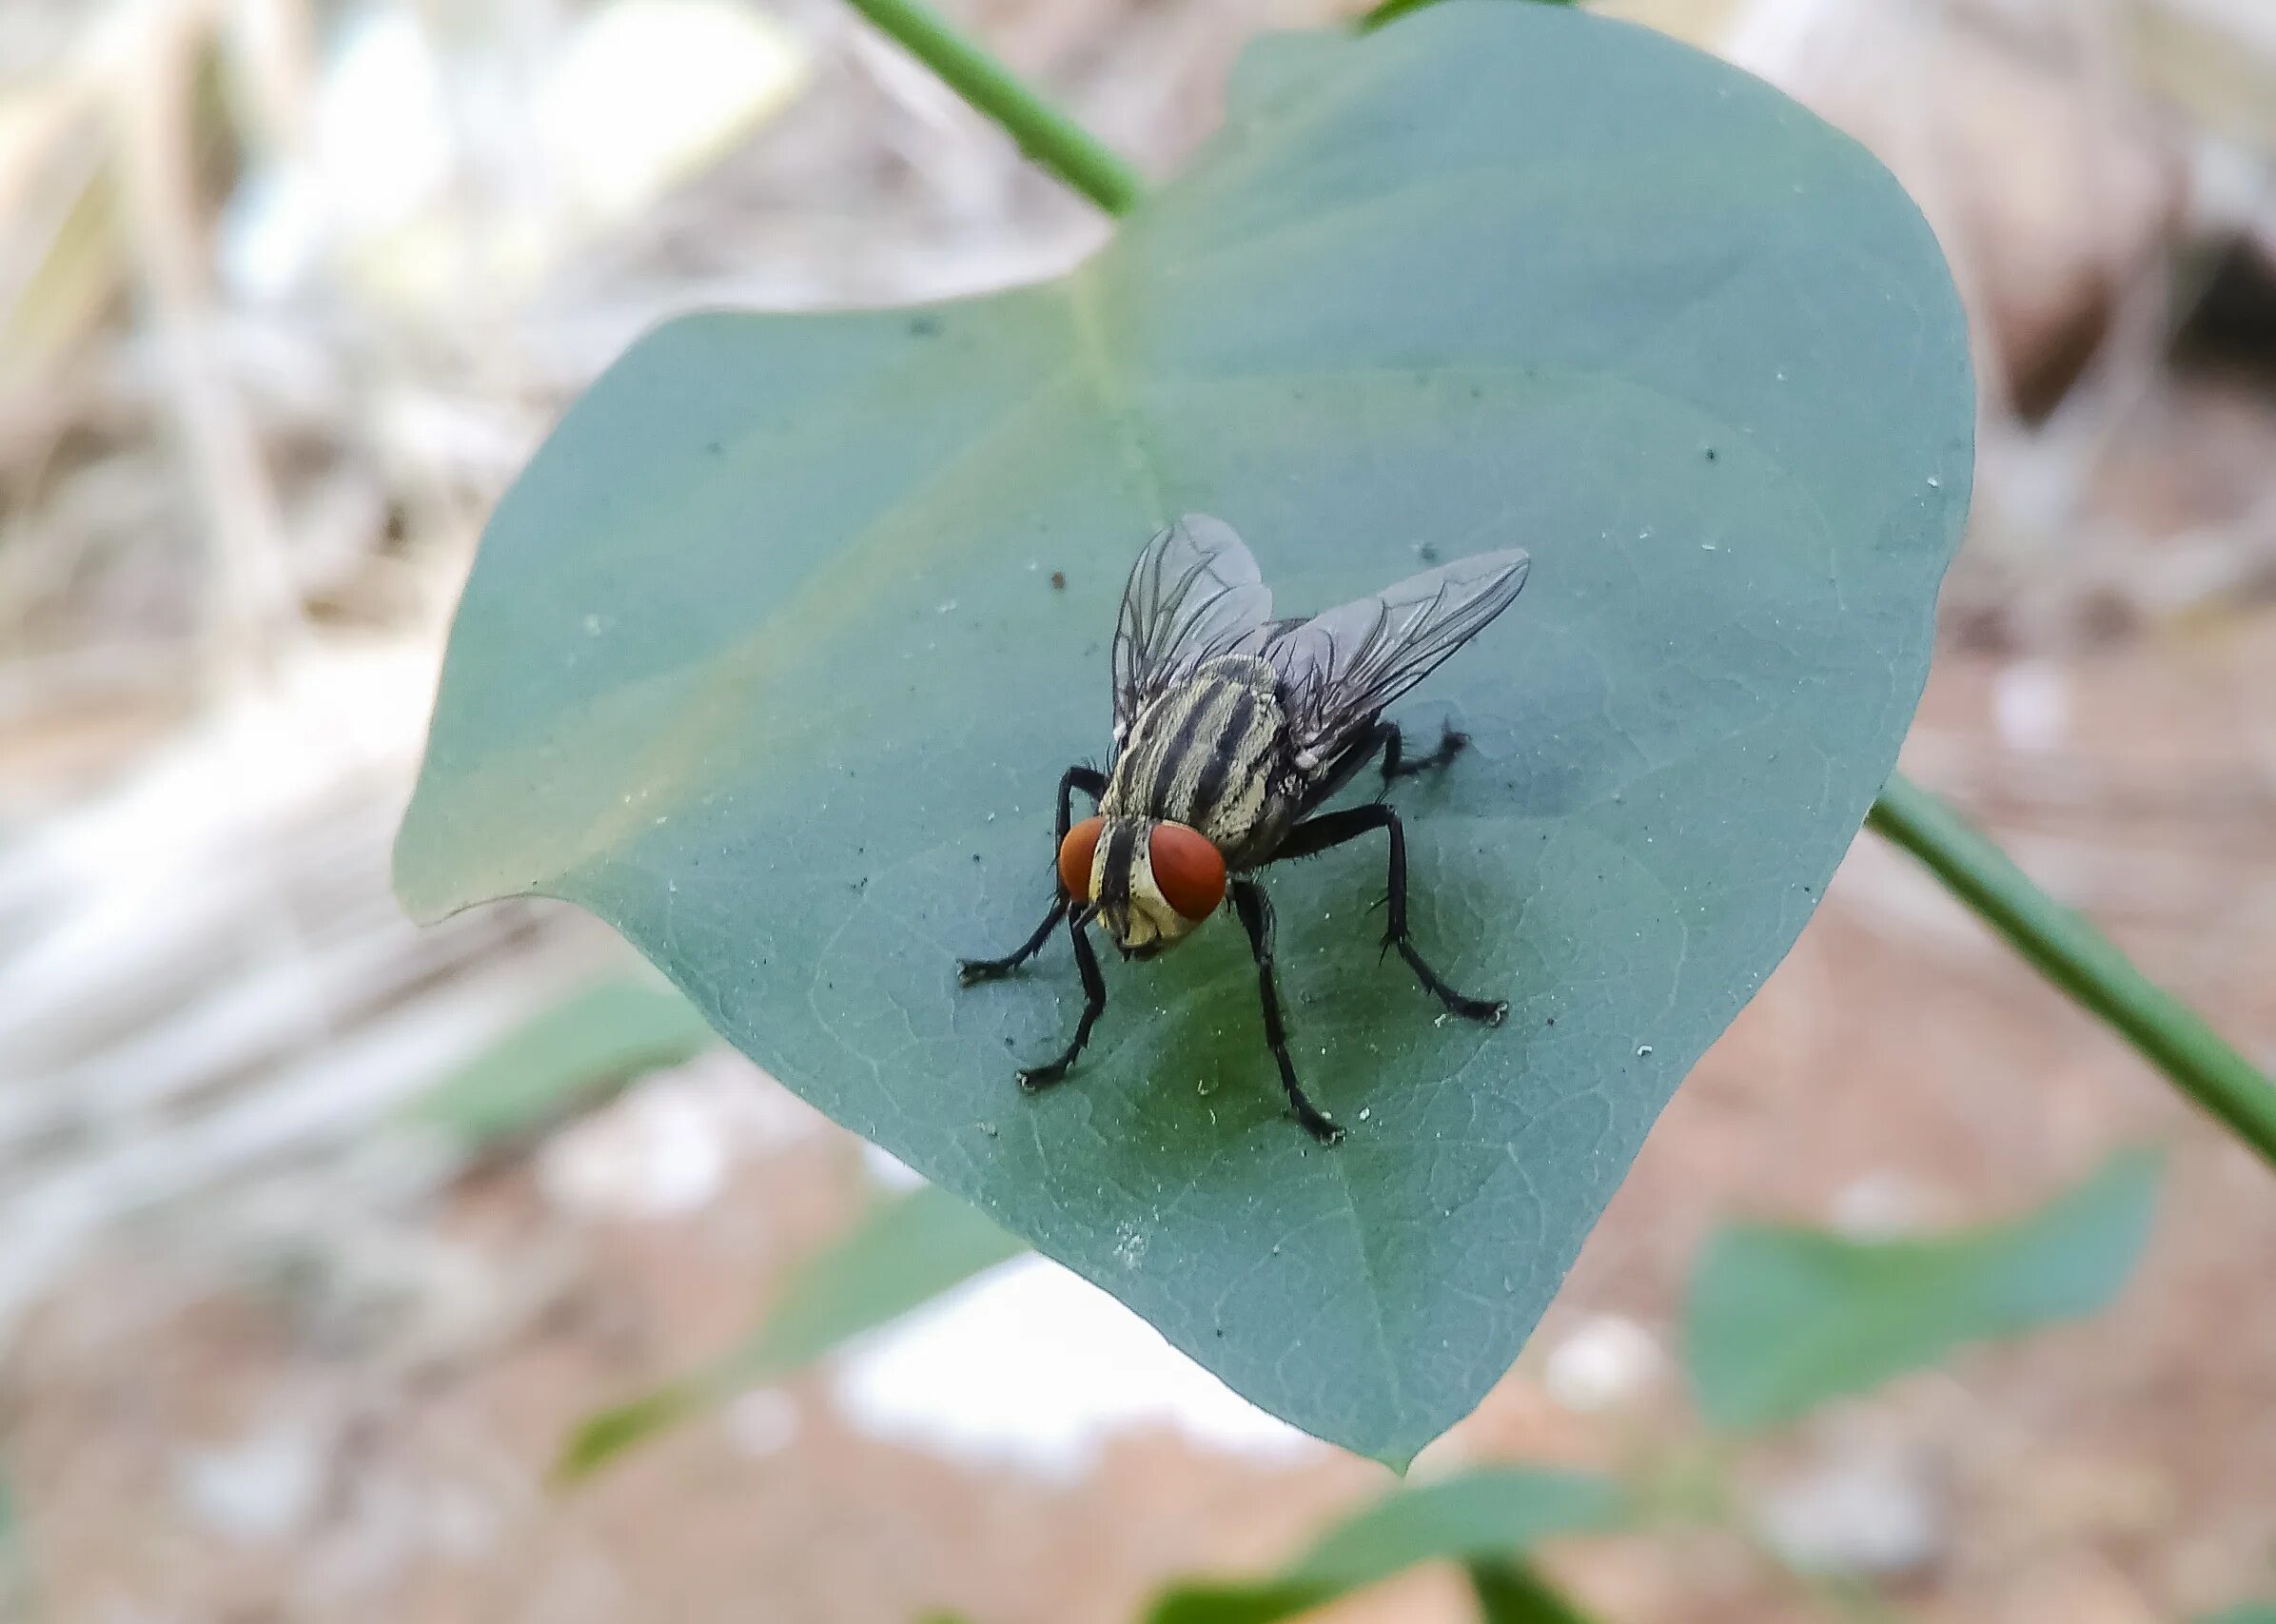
x=2080, y=960
x=2063, y=946
x=1044, y=133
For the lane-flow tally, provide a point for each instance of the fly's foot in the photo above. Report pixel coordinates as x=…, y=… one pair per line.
x=1035, y=1079
x=971, y=972
x=1317, y=1123
x=1451, y=744
x=1486, y=1011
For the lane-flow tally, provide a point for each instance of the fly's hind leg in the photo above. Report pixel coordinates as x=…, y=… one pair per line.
x=1255, y=908
x=1396, y=765
x=1334, y=828
x=968, y=971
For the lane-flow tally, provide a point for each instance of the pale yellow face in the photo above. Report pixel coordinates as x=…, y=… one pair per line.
x=1132, y=871
x=1150, y=922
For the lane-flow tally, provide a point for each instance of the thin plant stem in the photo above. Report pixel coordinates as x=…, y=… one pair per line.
x=1046, y=135
x=2060, y=944
x=2069, y=952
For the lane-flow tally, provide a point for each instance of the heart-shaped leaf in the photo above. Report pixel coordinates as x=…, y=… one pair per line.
x=765, y=661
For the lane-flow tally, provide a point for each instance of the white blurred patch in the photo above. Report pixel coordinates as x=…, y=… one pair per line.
x=1606, y=1362
x=649, y=90
x=2031, y=705
x=1883, y=1205
x=1868, y=1508
x=668, y=1146
x=889, y=1170
x=260, y=1490
x=1031, y=1366
x=761, y=1421
x=419, y=180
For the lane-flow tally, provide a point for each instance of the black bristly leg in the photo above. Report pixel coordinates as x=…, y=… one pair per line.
x=971, y=971
x=1094, y=1004
x=1396, y=766
x=1092, y=783
x=1255, y=908
x=1087, y=779
x=1334, y=828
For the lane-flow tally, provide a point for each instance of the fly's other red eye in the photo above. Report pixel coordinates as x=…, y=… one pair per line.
x=1188, y=871
x=1075, y=854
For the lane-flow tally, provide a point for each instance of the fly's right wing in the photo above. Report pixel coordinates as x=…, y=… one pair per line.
x=1194, y=593
x=1340, y=669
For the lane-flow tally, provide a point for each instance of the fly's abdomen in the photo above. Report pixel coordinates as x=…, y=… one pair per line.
x=1202, y=753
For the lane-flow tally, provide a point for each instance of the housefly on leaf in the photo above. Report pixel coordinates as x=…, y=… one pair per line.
x=1230, y=728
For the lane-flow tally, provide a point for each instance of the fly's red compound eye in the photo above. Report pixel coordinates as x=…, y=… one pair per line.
x=1075, y=854
x=1189, y=871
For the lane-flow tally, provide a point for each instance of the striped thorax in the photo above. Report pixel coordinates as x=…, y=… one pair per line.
x=1190, y=795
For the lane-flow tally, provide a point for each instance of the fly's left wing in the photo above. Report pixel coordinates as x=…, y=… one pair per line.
x=1340, y=669
x=1194, y=593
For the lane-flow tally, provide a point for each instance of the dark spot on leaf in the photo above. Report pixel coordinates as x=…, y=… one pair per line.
x=1059, y=581
x=924, y=326
x=714, y=448
x=1711, y=453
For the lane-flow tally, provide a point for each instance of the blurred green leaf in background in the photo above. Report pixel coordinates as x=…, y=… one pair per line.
x=1483, y=1517
x=907, y=1251
x=1780, y=1319
x=566, y=1058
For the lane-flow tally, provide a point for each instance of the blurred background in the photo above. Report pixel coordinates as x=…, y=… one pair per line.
x=303, y=1278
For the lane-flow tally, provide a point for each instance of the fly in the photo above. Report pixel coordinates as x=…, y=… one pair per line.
x=1231, y=729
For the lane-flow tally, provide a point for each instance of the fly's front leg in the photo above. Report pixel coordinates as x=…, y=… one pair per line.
x=1319, y=833
x=1094, y=1004
x=1255, y=908
x=972, y=972
x=1394, y=762
x=968, y=971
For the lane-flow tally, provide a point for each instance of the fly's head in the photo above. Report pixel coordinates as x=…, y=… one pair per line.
x=1150, y=883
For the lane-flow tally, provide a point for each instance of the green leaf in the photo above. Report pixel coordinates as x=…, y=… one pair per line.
x=2248, y=1613
x=1480, y=1516
x=906, y=1252
x=1782, y=1319
x=761, y=661
x=1511, y=1592
x=564, y=1059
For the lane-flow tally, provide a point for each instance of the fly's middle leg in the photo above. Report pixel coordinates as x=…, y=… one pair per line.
x=1396, y=765
x=968, y=971
x=1334, y=828
x=1255, y=908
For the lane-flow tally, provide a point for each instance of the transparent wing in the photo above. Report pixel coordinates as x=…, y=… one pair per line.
x=1194, y=591
x=1340, y=669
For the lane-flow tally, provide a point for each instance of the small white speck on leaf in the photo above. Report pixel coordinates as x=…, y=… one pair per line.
x=1643, y=1049
x=1366, y=1111
x=1129, y=1246
x=946, y=605
x=1935, y=483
